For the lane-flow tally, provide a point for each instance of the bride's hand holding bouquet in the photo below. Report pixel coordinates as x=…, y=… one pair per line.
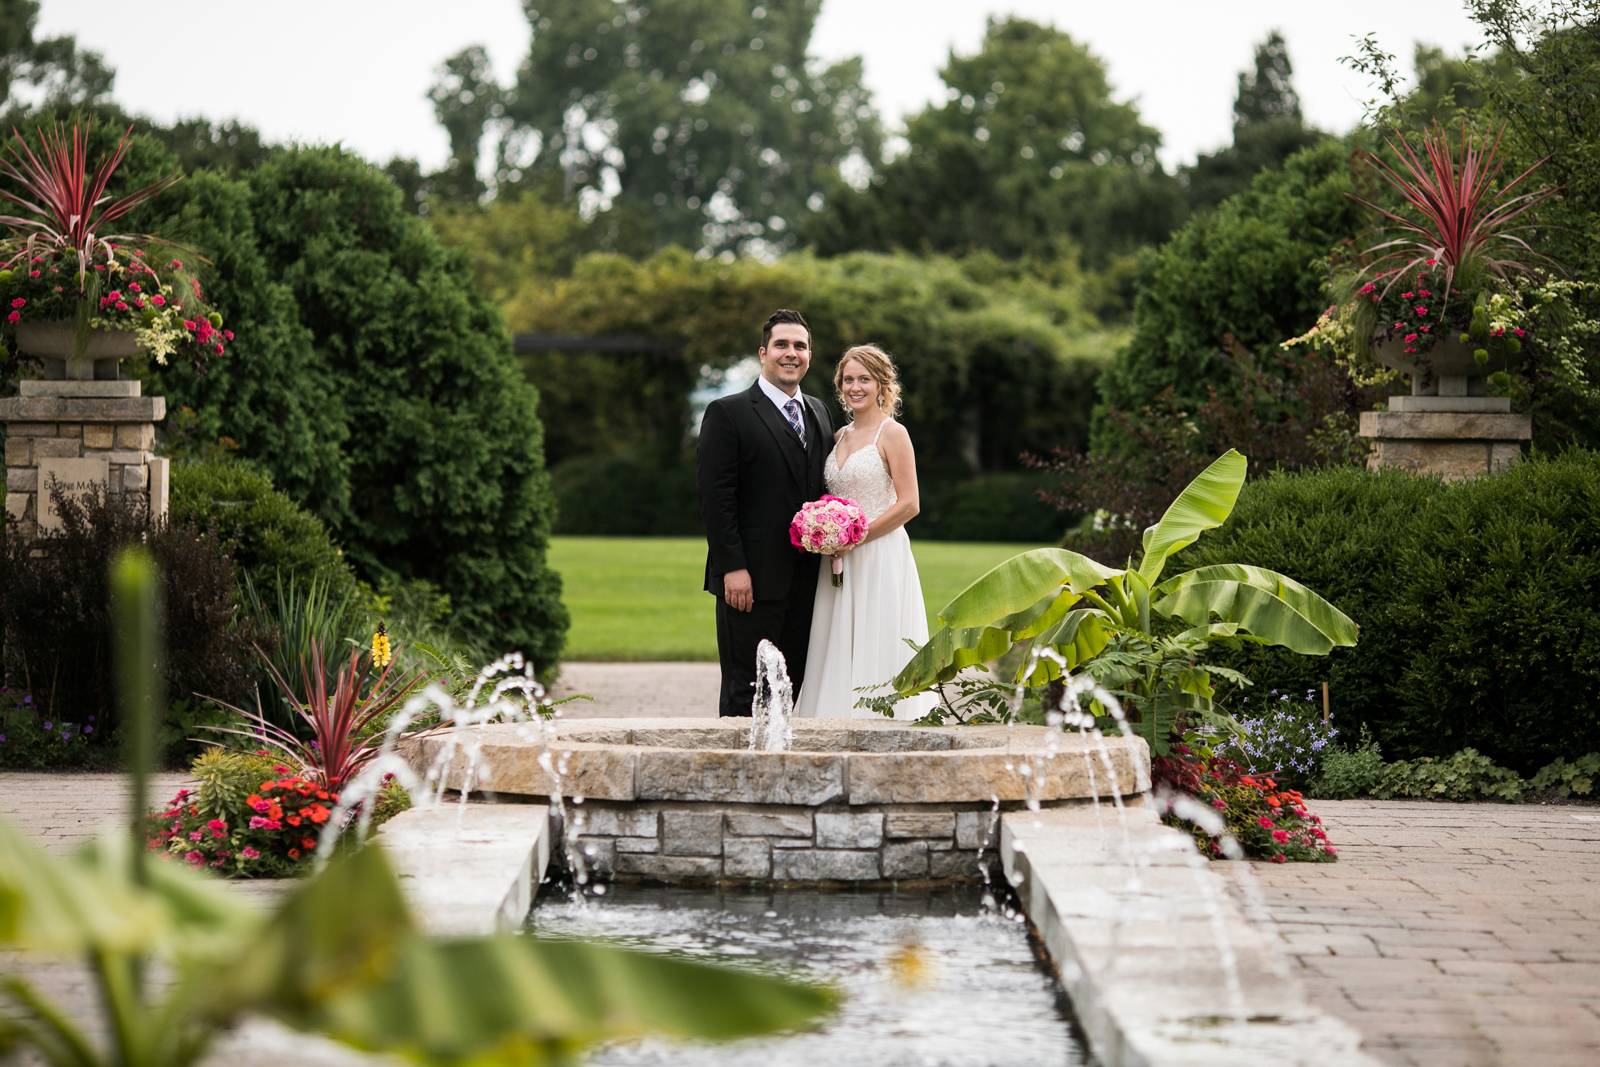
x=828, y=527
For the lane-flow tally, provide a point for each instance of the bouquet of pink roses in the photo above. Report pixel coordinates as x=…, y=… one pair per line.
x=827, y=525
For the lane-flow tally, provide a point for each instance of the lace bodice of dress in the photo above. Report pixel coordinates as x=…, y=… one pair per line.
x=863, y=477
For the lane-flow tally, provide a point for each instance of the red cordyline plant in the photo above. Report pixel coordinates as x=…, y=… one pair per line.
x=342, y=720
x=1458, y=220
x=68, y=210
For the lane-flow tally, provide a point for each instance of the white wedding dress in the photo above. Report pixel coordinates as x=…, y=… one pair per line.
x=859, y=630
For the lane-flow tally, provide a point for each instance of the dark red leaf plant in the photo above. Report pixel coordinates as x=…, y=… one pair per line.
x=67, y=209
x=1455, y=216
x=344, y=716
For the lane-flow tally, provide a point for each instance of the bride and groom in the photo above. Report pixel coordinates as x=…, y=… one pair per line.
x=762, y=454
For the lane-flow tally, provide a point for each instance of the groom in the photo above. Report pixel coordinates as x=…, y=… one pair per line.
x=760, y=458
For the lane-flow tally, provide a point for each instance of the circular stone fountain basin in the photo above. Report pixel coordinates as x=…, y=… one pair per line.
x=852, y=800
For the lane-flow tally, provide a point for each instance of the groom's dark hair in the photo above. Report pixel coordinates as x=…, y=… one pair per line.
x=780, y=316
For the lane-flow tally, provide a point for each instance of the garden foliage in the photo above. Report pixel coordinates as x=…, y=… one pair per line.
x=1263, y=819
x=56, y=630
x=1148, y=637
x=1246, y=276
x=269, y=536
x=1479, y=622
x=995, y=362
x=375, y=386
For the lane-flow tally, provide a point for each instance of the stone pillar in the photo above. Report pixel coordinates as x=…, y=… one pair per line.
x=1452, y=437
x=80, y=433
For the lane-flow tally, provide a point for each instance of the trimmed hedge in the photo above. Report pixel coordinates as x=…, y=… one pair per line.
x=1478, y=602
x=268, y=534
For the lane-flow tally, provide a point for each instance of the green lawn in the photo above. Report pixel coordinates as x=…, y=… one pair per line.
x=639, y=598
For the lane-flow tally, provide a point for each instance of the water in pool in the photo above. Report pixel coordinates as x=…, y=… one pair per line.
x=930, y=979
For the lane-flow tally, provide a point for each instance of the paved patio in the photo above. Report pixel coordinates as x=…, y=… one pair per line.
x=1459, y=935
x=1449, y=934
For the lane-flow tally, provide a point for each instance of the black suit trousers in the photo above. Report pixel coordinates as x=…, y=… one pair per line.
x=786, y=623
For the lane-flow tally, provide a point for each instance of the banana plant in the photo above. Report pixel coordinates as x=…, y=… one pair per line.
x=340, y=957
x=1139, y=633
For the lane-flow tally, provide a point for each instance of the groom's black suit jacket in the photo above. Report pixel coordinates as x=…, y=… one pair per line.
x=753, y=476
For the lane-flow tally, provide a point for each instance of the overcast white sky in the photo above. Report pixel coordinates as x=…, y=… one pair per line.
x=356, y=71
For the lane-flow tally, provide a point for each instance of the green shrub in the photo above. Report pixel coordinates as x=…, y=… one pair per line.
x=1249, y=274
x=225, y=777
x=55, y=630
x=1349, y=773
x=268, y=534
x=1467, y=775
x=375, y=384
x=1565, y=778
x=1479, y=623
x=1003, y=506
x=625, y=495
x=392, y=799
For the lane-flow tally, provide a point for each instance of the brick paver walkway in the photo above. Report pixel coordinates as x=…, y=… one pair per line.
x=1450, y=934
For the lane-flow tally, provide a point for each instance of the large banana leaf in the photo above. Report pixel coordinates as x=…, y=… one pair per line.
x=343, y=927
x=1080, y=636
x=1204, y=504
x=88, y=902
x=1018, y=584
x=1274, y=609
x=947, y=653
x=512, y=999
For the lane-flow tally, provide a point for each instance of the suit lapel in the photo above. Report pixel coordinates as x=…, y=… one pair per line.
x=782, y=434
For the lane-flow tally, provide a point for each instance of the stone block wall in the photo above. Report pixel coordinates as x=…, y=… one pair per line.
x=1453, y=438
x=95, y=429
x=698, y=843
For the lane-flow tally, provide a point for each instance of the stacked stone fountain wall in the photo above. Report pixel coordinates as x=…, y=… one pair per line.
x=711, y=843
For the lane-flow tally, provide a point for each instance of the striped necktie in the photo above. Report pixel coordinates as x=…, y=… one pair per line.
x=792, y=410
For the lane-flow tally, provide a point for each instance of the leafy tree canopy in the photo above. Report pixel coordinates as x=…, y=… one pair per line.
x=710, y=120
x=1029, y=155
x=54, y=69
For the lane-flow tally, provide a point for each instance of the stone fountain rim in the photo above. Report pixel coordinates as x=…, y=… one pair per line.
x=630, y=772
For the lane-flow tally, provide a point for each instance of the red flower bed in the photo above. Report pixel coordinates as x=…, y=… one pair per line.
x=1267, y=822
x=274, y=838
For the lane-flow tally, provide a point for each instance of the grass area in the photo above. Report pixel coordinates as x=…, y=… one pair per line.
x=639, y=598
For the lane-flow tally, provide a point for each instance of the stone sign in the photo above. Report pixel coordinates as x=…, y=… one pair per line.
x=76, y=477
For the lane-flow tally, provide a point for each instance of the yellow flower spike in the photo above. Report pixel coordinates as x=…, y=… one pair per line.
x=381, y=653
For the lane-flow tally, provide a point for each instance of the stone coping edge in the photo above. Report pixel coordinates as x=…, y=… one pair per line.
x=469, y=868
x=1136, y=948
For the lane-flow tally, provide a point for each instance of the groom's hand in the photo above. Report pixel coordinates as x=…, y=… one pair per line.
x=737, y=591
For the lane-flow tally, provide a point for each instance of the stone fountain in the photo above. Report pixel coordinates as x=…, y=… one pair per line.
x=686, y=801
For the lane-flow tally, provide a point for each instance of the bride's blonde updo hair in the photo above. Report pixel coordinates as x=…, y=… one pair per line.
x=877, y=364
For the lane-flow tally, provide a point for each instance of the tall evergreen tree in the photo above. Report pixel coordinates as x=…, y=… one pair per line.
x=1268, y=128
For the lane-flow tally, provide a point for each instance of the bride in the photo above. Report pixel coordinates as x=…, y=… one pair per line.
x=859, y=630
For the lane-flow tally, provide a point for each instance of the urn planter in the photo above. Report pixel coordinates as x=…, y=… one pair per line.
x=1446, y=369
x=56, y=346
